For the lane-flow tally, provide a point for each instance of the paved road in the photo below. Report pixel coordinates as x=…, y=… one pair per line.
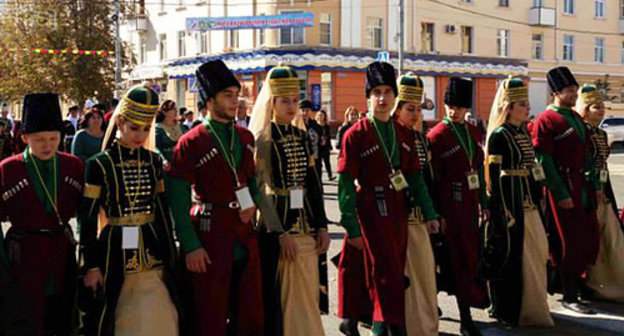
x=610, y=321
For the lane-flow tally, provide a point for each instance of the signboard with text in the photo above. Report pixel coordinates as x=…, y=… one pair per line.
x=295, y=20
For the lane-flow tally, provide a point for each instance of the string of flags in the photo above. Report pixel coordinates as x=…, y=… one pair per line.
x=77, y=52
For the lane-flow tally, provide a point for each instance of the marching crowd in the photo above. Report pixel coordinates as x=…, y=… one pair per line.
x=218, y=226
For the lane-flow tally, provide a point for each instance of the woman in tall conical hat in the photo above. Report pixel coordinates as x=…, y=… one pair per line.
x=286, y=173
x=606, y=277
x=132, y=257
x=421, y=313
x=516, y=247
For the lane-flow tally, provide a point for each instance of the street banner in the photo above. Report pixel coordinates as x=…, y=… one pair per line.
x=250, y=22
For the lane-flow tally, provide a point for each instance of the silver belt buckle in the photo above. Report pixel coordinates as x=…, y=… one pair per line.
x=234, y=205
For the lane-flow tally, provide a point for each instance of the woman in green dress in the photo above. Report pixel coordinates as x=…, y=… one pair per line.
x=88, y=141
x=168, y=131
x=129, y=252
x=516, y=248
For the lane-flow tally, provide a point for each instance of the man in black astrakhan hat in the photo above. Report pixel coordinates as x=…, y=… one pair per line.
x=457, y=160
x=213, y=198
x=562, y=147
x=40, y=192
x=380, y=154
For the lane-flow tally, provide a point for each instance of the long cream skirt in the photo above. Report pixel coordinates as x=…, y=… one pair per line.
x=421, y=303
x=299, y=280
x=606, y=277
x=144, y=307
x=534, y=310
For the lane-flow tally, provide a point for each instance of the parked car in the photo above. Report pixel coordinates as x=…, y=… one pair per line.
x=614, y=126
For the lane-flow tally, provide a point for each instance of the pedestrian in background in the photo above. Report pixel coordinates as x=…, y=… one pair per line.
x=350, y=117
x=324, y=144
x=88, y=140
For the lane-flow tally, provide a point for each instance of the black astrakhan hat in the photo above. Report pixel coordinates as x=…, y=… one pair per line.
x=380, y=73
x=306, y=104
x=559, y=78
x=212, y=77
x=41, y=113
x=458, y=92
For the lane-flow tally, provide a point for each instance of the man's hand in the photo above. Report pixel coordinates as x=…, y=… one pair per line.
x=443, y=225
x=288, y=247
x=166, y=166
x=93, y=279
x=322, y=241
x=247, y=215
x=356, y=242
x=197, y=260
x=566, y=204
x=433, y=226
x=485, y=215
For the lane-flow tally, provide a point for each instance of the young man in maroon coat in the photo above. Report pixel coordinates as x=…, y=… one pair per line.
x=213, y=198
x=381, y=155
x=40, y=191
x=562, y=147
x=457, y=160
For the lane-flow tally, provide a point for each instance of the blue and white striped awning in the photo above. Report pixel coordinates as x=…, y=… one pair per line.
x=352, y=60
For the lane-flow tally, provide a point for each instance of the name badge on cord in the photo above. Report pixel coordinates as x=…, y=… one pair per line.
x=398, y=180
x=604, y=175
x=130, y=237
x=473, y=180
x=296, y=198
x=538, y=173
x=243, y=196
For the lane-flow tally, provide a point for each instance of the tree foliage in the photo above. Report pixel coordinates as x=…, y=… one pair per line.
x=57, y=24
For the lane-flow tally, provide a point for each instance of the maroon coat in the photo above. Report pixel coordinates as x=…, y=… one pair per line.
x=459, y=206
x=197, y=159
x=37, y=244
x=577, y=228
x=385, y=236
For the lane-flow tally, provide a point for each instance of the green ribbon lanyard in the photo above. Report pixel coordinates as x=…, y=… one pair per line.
x=229, y=158
x=467, y=147
x=383, y=143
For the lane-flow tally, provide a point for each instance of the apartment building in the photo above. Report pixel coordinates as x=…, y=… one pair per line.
x=486, y=40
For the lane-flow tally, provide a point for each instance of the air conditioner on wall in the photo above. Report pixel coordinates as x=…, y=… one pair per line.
x=450, y=29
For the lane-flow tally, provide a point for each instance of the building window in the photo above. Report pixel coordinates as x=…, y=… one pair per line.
x=162, y=46
x=143, y=49
x=326, y=29
x=261, y=35
x=503, y=3
x=374, y=32
x=162, y=6
x=502, y=42
x=466, y=40
x=568, y=47
x=202, y=42
x=427, y=42
x=468, y=1
x=622, y=54
x=538, y=46
x=181, y=43
x=621, y=9
x=599, y=8
x=233, y=40
x=568, y=6
x=537, y=3
x=291, y=36
x=599, y=50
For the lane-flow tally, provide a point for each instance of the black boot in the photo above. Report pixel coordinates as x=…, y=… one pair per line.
x=349, y=327
x=570, y=289
x=467, y=325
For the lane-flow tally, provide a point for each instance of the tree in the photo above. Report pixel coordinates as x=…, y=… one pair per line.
x=62, y=25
